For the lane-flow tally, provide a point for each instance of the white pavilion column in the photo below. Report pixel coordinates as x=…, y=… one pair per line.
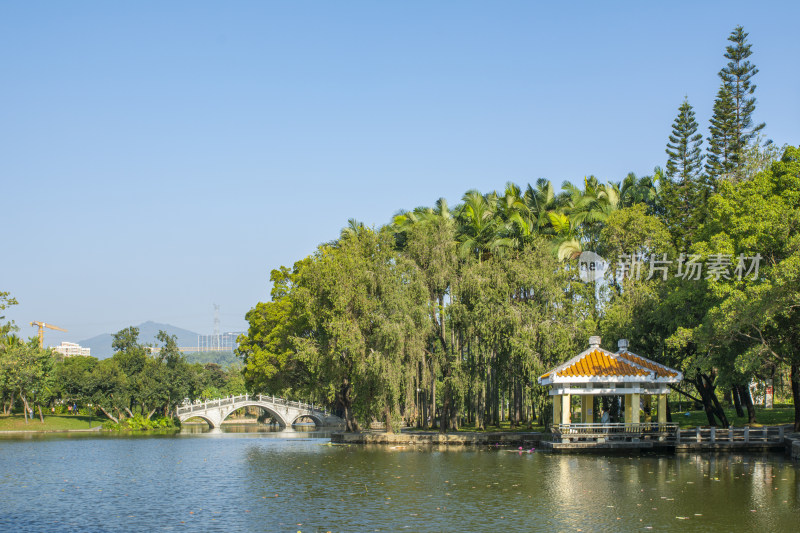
x=635, y=408
x=662, y=408
x=628, y=410
x=587, y=403
x=566, y=409
x=557, y=409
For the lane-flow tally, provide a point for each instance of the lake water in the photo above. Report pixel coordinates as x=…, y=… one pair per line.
x=245, y=479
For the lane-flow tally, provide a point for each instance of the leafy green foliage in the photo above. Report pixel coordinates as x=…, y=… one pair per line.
x=6, y=301
x=140, y=423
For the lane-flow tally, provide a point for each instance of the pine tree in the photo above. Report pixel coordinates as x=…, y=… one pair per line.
x=685, y=159
x=720, y=161
x=736, y=76
x=684, y=190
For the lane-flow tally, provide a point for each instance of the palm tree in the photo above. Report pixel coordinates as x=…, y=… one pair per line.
x=580, y=215
x=645, y=190
x=403, y=221
x=354, y=228
x=478, y=226
x=515, y=216
x=540, y=201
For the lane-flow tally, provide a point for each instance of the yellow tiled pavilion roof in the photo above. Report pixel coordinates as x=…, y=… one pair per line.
x=599, y=363
x=595, y=364
x=660, y=370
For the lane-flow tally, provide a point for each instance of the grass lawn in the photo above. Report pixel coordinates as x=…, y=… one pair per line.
x=52, y=422
x=766, y=417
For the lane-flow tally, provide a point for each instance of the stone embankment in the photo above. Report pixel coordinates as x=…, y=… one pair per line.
x=435, y=438
x=793, y=445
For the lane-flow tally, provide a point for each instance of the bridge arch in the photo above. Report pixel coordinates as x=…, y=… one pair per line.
x=208, y=420
x=280, y=419
x=317, y=420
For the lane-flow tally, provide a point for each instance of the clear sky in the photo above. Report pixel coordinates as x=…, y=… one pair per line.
x=160, y=157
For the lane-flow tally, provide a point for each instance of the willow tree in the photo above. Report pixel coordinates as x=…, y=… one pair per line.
x=515, y=320
x=365, y=307
x=430, y=242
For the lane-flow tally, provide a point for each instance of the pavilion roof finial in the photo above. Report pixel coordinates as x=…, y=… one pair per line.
x=594, y=341
x=623, y=345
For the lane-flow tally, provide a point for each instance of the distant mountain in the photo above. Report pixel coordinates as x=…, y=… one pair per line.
x=101, y=344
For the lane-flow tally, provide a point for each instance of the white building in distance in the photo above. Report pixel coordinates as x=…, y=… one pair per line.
x=69, y=349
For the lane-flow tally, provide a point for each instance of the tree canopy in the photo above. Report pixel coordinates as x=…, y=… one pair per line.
x=446, y=315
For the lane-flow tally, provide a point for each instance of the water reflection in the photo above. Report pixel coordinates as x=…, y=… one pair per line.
x=266, y=429
x=250, y=478
x=726, y=490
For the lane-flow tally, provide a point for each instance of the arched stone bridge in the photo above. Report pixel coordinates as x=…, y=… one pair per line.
x=285, y=412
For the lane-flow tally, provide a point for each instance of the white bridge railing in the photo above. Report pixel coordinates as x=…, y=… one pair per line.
x=260, y=398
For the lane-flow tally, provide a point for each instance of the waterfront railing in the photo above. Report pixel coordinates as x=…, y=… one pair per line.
x=746, y=435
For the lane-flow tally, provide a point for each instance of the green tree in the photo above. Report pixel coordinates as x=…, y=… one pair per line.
x=26, y=370
x=6, y=301
x=584, y=213
x=72, y=378
x=267, y=351
x=685, y=157
x=431, y=245
x=177, y=375
x=737, y=77
x=752, y=328
x=365, y=306
x=644, y=190
x=720, y=160
x=683, y=192
x=108, y=388
x=7, y=341
x=478, y=232
x=540, y=201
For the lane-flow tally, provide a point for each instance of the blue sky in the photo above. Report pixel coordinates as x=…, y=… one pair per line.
x=162, y=157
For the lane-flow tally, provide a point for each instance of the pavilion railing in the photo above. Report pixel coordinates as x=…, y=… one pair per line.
x=668, y=431
x=614, y=430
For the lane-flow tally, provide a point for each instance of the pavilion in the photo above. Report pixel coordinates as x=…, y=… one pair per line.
x=598, y=372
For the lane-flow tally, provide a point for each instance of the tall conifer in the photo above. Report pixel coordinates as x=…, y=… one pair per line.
x=736, y=77
x=684, y=191
x=685, y=159
x=720, y=160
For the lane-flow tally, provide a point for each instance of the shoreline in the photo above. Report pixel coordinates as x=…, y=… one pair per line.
x=465, y=438
x=23, y=431
x=790, y=445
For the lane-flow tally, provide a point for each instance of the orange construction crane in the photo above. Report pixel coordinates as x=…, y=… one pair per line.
x=42, y=325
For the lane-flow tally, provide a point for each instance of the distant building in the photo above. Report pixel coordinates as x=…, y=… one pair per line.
x=69, y=349
x=223, y=342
